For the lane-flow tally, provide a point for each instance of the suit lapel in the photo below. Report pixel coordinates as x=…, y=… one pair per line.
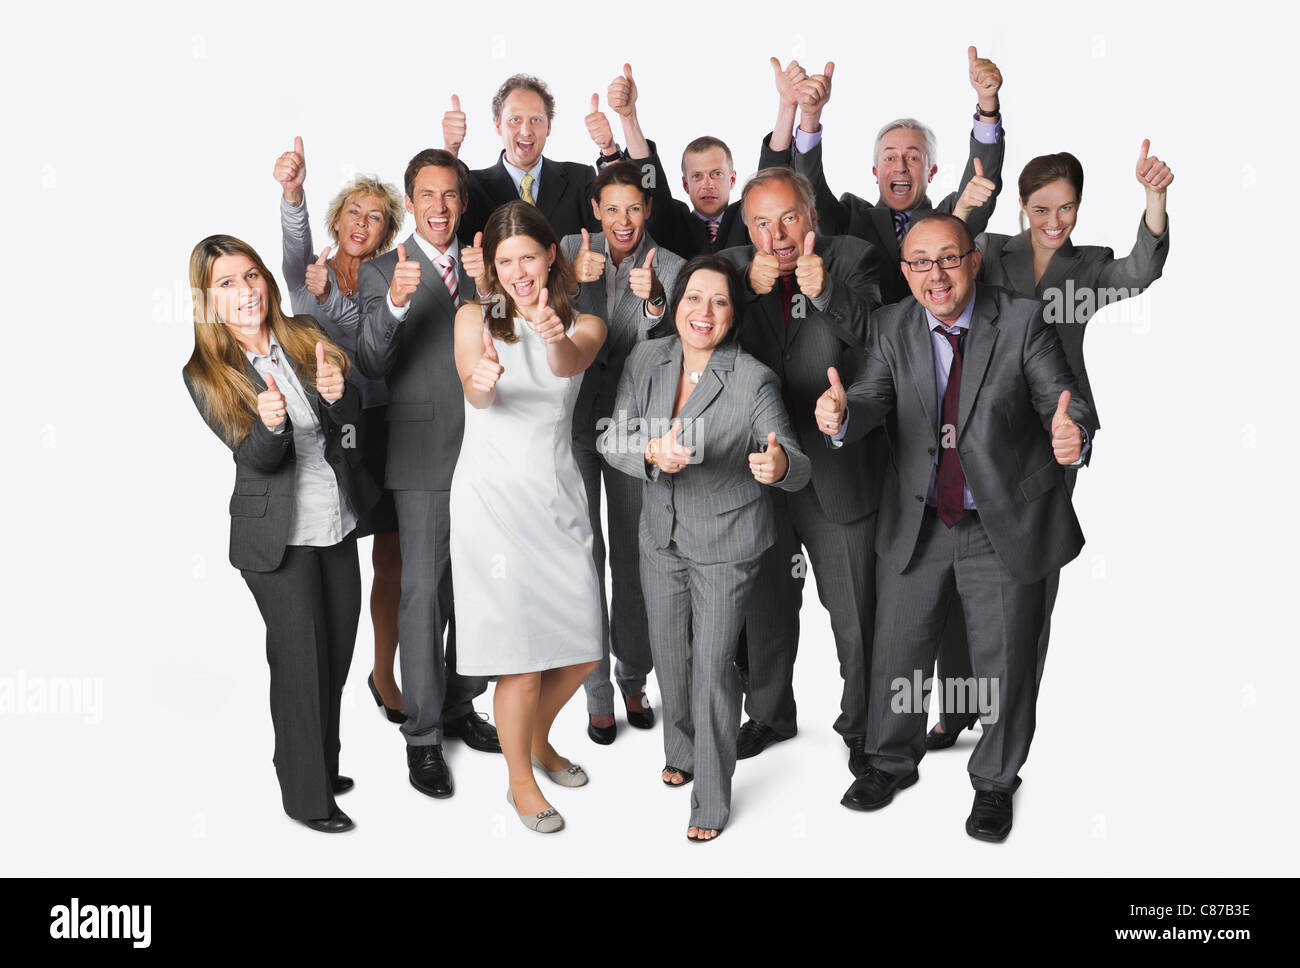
x=920, y=359
x=500, y=186
x=722, y=360
x=980, y=341
x=1059, y=268
x=663, y=388
x=1018, y=264
x=883, y=216
x=430, y=276
x=550, y=188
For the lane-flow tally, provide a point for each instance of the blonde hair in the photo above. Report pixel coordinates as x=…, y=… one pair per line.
x=218, y=368
x=388, y=197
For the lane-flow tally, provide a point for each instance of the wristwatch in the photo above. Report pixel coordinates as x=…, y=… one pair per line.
x=658, y=302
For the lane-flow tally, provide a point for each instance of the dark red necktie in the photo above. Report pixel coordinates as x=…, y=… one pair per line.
x=950, y=484
x=787, y=297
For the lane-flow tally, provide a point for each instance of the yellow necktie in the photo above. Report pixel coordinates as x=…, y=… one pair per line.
x=527, y=185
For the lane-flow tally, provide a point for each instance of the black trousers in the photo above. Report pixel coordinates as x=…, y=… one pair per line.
x=311, y=605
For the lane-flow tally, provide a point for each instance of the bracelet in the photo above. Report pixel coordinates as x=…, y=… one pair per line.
x=653, y=447
x=997, y=111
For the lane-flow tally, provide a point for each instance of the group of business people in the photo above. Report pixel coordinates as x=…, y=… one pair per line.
x=789, y=373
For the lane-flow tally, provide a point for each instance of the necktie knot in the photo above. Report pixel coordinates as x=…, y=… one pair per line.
x=447, y=269
x=900, y=226
x=526, y=189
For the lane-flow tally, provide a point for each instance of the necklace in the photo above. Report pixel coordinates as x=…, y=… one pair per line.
x=338, y=277
x=691, y=374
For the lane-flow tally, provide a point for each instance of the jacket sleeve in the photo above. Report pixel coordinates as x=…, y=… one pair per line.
x=873, y=394
x=1048, y=374
x=769, y=416
x=1141, y=267
x=851, y=297
x=990, y=156
x=261, y=451
x=379, y=337
x=832, y=213
x=623, y=442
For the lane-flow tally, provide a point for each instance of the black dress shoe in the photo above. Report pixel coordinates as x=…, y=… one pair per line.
x=858, y=760
x=336, y=823
x=476, y=732
x=639, y=718
x=341, y=784
x=429, y=772
x=754, y=737
x=394, y=715
x=604, y=735
x=875, y=788
x=990, y=816
x=941, y=739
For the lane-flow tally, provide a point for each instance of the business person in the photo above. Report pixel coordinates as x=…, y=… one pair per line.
x=624, y=279
x=808, y=302
x=1042, y=262
x=408, y=305
x=523, y=110
x=904, y=163
x=712, y=221
x=983, y=415
x=273, y=389
x=527, y=591
x=362, y=220
x=700, y=424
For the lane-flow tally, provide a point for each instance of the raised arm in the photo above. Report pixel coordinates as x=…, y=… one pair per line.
x=568, y=353
x=477, y=363
x=770, y=425
x=621, y=96
x=974, y=204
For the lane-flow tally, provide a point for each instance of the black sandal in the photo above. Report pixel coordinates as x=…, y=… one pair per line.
x=686, y=777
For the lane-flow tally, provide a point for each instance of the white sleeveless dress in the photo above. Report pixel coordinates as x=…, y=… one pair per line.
x=525, y=586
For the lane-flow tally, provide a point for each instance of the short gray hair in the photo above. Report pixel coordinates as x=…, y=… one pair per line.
x=802, y=186
x=911, y=124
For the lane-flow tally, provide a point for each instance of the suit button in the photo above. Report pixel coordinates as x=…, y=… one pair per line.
x=668, y=507
x=789, y=357
x=919, y=497
x=930, y=451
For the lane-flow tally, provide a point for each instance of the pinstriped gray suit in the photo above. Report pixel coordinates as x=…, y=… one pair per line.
x=625, y=633
x=703, y=532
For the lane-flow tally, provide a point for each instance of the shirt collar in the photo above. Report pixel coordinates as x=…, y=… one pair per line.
x=272, y=352
x=431, y=251
x=716, y=220
x=517, y=174
x=963, y=321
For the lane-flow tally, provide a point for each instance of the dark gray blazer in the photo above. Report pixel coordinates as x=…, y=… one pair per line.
x=1078, y=281
x=426, y=405
x=626, y=325
x=847, y=480
x=874, y=221
x=1013, y=372
x=713, y=509
x=563, y=195
x=262, y=503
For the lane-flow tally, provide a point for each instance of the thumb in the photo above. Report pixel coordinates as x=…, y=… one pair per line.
x=320, y=354
x=297, y=145
x=979, y=167
x=771, y=440
x=595, y=103
x=833, y=375
x=972, y=54
x=776, y=64
x=455, y=102
x=401, y=252
x=765, y=236
x=830, y=69
x=541, y=300
x=627, y=71
x=488, y=348
x=1146, y=146
x=1062, y=404
x=808, y=242
x=586, y=239
x=478, y=240
x=675, y=429
x=325, y=254
x=649, y=258
x=270, y=383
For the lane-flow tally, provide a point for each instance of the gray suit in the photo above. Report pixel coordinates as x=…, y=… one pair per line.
x=703, y=531
x=625, y=632
x=995, y=559
x=426, y=419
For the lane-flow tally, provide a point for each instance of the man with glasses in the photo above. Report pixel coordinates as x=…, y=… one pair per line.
x=982, y=415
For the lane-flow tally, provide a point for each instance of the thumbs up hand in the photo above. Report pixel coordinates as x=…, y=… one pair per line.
x=769, y=466
x=471, y=257
x=291, y=171
x=986, y=79
x=406, y=278
x=329, y=377
x=318, y=277
x=832, y=405
x=809, y=270
x=621, y=95
x=976, y=193
x=548, y=324
x=598, y=127
x=1152, y=173
x=588, y=266
x=643, y=282
x=667, y=454
x=489, y=368
x=815, y=91
x=764, y=269
x=453, y=127
x=1067, y=438
x=788, y=80
x=270, y=404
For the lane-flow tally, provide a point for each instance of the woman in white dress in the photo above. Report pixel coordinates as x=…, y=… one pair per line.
x=527, y=599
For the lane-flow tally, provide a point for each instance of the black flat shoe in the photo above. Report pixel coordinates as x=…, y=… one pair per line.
x=858, y=759
x=474, y=731
x=876, y=788
x=754, y=737
x=341, y=784
x=639, y=718
x=990, y=816
x=604, y=735
x=336, y=823
x=429, y=771
x=686, y=777
x=394, y=715
x=941, y=739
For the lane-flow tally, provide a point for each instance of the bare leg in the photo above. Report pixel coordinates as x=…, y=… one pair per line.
x=558, y=687
x=515, y=704
x=385, y=596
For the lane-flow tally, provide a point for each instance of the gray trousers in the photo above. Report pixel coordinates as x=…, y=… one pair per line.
x=843, y=559
x=431, y=687
x=623, y=621
x=1003, y=621
x=695, y=614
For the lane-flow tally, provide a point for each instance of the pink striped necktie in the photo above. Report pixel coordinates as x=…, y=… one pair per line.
x=447, y=266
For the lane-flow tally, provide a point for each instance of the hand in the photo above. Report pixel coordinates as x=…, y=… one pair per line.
x=621, y=95
x=318, y=277
x=642, y=281
x=986, y=79
x=670, y=456
x=832, y=405
x=291, y=172
x=771, y=465
x=815, y=90
x=764, y=270
x=787, y=81
x=976, y=193
x=548, y=324
x=588, y=266
x=488, y=369
x=406, y=278
x=453, y=127
x=1152, y=173
x=1067, y=438
x=809, y=270
x=471, y=257
x=329, y=378
x=598, y=127
x=270, y=404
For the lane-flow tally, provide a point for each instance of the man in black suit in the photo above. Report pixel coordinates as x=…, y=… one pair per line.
x=523, y=109
x=983, y=416
x=810, y=299
x=408, y=302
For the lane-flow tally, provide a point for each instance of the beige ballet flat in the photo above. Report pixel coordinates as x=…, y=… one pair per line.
x=571, y=776
x=546, y=822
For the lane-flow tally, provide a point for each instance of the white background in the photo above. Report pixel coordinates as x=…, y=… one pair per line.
x=1164, y=741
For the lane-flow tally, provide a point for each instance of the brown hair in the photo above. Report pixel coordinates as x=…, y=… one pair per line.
x=620, y=173
x=364, y=185
x=523, y=82
x=217, y=369
x=706, y=143
x=802, y=186
x=1046, y=169
x=520, y=218
x=438, y=158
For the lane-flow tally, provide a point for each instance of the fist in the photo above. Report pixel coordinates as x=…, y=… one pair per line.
x=588, y=266
x=985, y=78
x=548, y=324
x=621, y=95
x=815, y=90
x=329, y=378
x=318, y=277
x=270, y=404
x=977, y=192
x=764, y=269
x=1067, y=438
x=406, y=278
x=832, y=405
x=809, y=270
x=453, y=126
x=471, y=257
x=670, y=456
x=1152, y=173
x=642, y=281
x=769, y=466
x=488, y=370
x=291, y=172
x=598, y=126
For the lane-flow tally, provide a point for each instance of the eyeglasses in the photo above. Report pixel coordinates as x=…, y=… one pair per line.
x=944, y=262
